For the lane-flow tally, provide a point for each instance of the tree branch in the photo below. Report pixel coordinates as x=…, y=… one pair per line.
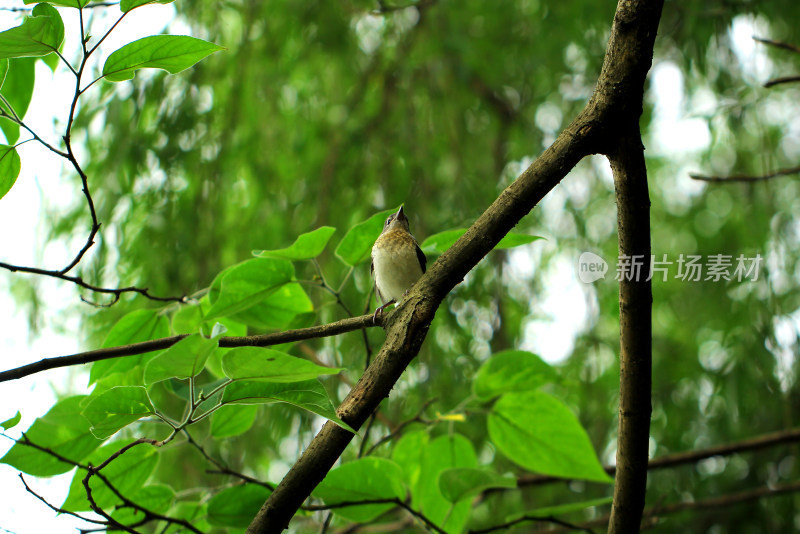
x=630, y=50
x=778, y=44
x=531, y=518
x=70, y=156
x=746, y=178
x=264, y=340
x=687, y=457
x=635, y=331
x=618, y=93
x=91, y=471
x=731, y=499
x=77, y=280
x=783, y=79
x=419, y=515
x=56, y=509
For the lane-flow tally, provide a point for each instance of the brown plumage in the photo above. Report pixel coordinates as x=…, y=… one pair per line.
x=397, y=260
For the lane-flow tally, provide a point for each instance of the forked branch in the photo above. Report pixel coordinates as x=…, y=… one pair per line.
x=617, y=101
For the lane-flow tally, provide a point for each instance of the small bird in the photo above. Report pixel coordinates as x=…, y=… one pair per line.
x=397, y=261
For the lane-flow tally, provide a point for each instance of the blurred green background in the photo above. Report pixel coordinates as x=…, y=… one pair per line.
x=323, y=113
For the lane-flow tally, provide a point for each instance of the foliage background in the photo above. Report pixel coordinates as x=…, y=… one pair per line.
x=323, y=113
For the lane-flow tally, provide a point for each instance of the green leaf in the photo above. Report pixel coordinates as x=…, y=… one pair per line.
x=127, y=5
x=128, y=472
x=11, y=423
x=540, y=433
x=561, y=509
x=192, y=509
x=10, y=166
x=442, y=453
x=357, y=243
x=270, y=365
x=139, y=325
x=408, y=453
x=360, y=480
x=17, y=90
x=116, y=408
x=308, y=395
x=279, y=309
x=244, y=285
x=462, y=482
x=63, y=3
x=184, y=359
x=62, y=430
x=233, y=420
x=236, y=506
x=172, y=53
x=3, y=71
x=438, y=243
x=306, y=246
x=51, y=60
x=39, y=34
x=510, y=371
x=187, y=319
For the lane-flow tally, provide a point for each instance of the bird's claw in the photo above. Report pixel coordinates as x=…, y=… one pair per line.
x=379, y=311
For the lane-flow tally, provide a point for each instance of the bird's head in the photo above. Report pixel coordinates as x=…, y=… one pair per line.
x=396, y=220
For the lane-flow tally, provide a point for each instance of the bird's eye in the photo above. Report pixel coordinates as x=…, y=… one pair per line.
x=388, y=221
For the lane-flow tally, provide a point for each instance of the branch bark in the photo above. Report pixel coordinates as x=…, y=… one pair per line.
x=265, y=340
x=630, y=48
x=617, y=101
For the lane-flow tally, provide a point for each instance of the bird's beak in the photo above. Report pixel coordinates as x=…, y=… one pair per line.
x=400, y=215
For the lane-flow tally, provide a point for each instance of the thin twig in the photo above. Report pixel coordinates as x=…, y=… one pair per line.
x=746, y=178
x=56, y=508
x=67, y=63
x=326, y=523
x=401, y=427
x=728, y=500
x=149, y=514
x=77, y=280
x=365, y=437
x=397, y=502
x=103, y=38
x=338, y=294
x=778, y=44
x=264, y=340
x=70, y=156
x=687, y=457
x=782, y=80
x=547, y=519
x=125, y=449
x=95, y=471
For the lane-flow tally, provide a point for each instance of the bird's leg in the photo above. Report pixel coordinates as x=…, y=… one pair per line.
x=379, y=311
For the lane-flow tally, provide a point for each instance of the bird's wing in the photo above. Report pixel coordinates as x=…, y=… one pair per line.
x=423, y=261
x=372, y=273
